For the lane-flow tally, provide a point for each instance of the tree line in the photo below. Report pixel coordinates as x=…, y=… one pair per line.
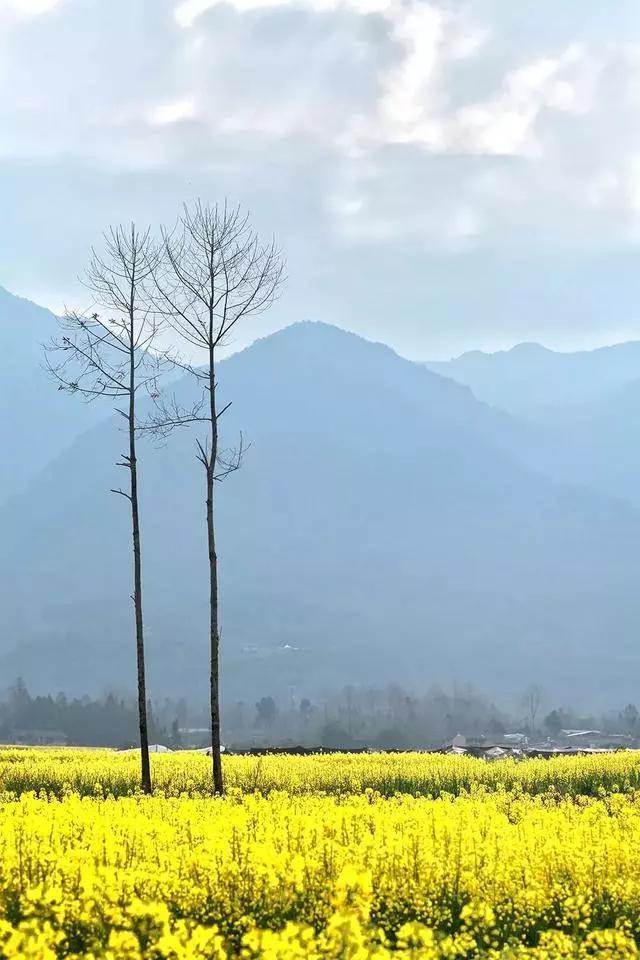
x=393, y=717
x=195, y=281
x=109, y=721
x=389, y=718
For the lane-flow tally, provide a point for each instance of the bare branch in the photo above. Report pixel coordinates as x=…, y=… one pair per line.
x=214, y=271
x=169, y=414
x=203, y=456
x=230, y=460
x=95, y=354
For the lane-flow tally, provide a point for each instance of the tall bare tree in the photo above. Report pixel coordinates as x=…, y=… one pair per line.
x=111, y=358
x=215, y=272
x=532, y=701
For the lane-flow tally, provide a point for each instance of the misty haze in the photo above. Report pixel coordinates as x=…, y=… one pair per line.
x=426, y=523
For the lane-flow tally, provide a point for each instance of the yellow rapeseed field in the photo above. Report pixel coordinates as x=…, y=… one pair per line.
x=88, y=772
x=348, y=857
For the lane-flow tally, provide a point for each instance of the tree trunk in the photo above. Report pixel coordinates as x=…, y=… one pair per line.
x=218, y=783
x=137, y=589
x=214, y=630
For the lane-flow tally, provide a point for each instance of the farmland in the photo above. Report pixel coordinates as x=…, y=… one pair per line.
x=101, y=772
x=331, y=856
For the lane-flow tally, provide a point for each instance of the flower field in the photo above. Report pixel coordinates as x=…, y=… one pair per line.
x=90, y=772
x=537, y=859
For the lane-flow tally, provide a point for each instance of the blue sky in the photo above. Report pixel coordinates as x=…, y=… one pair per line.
x=441, y=175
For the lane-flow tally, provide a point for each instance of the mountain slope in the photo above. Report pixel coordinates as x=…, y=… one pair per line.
x=37, y=422
x=596, y=443
x=378, y=530
x=578, y=413
x=529, y=379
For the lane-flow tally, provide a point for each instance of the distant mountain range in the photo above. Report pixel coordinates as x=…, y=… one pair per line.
x=578, y=413
x=531, y=380
x=387, y=525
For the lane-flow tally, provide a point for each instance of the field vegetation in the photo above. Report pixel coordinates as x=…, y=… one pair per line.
x=332, y=856
x=88, y=772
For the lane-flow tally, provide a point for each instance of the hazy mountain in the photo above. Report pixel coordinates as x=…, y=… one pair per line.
x=529, y=379
x=380, y=529
x=578, y=413
x=36, y=421
x=595, y=443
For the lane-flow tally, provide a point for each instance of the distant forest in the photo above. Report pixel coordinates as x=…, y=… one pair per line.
x=390, y=718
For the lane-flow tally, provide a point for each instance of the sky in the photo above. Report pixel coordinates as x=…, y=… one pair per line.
x=441, y=175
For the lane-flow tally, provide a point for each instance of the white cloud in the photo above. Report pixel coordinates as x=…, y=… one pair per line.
x=189, y=11
x=409, y=88
x=28, y=8
x=173, y=112
x=443, y=125
x=506, y=123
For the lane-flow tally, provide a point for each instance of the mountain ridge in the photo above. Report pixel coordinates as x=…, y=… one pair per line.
x=535, y=347
x=529, y=380
x=380, y=527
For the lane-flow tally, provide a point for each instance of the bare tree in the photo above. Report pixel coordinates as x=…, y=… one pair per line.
x=532, y=701
x=215, y=273
x=112, y=358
